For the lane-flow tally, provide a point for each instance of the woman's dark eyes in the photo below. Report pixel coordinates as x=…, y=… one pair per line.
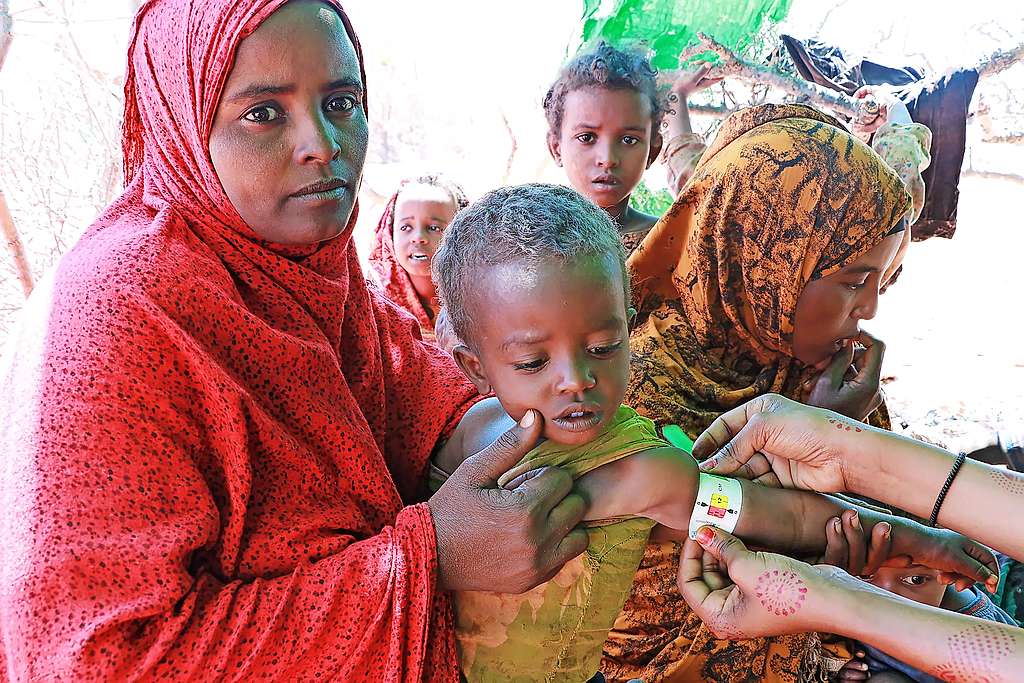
x=586, y=138
x=264, y=113
x=341, y=103
x=267, y=113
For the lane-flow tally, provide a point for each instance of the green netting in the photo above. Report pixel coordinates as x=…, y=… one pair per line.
x=670, y=26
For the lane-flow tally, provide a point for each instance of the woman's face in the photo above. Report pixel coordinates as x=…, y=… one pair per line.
x=289, y=136
x=829, y=310
x=422, y=212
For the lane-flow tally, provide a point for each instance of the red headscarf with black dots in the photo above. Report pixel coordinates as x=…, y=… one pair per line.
x=212, y=446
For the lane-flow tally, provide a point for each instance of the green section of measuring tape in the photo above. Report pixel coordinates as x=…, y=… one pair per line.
x=675, y=435
x=670, y=26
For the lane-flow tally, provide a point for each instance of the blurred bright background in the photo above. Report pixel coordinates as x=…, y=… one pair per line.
x=456, y=86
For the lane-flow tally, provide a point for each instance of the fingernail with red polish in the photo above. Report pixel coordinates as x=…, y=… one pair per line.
x=705, y=535
x=886, y=529
x=708, y=464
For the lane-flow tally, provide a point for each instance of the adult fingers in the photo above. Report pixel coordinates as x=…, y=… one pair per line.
x=574, y=543
x=871, y=369
x=727, y=425
x=837, y=550
x=835, y=370
x=485, y=467
x=854, y=533
x=745, y=440
x=690, y=580
x=879, y=547
x=525, y=476
x=714, y=572
x=721, y=545
x=566, y=514
x=544, y=491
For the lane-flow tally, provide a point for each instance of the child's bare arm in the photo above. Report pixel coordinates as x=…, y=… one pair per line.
x=659, y=484
x=482, y=424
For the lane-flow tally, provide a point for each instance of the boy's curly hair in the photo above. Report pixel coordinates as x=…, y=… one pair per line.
x=604, y=66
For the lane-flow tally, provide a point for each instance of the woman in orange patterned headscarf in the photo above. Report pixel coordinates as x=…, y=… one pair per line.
x=752, y=282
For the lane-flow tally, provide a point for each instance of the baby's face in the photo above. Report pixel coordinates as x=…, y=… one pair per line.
x=553, y=337
x=916, y=582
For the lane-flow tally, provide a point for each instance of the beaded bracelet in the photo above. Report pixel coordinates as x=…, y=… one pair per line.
x=957, y=464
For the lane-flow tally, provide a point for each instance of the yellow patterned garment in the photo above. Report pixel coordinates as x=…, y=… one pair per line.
x=555, y=631
x=783, y=195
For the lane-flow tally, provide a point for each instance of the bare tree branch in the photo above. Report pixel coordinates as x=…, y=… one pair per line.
x=15, y=246
x=512, y=150
x=1000, y=61
x=6, y=22
x=10, y=233
x=736, y=67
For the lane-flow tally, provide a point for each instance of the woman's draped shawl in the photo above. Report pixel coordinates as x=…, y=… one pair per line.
x=554, y=632
x=211, y=444
x=783, y=195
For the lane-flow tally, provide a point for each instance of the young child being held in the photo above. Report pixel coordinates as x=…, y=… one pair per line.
x=603, y=129
x=407, y=237
x=534, y=282
x=920, y=584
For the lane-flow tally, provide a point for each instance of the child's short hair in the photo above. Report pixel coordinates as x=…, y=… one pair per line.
x=603, y=66
x=525, y=223
x=438, y=180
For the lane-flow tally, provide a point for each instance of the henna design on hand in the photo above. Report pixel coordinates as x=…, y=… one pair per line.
x=1013, y=483
x=974, y=654
x=842, y=424
x=781, y=592
x=723, y=629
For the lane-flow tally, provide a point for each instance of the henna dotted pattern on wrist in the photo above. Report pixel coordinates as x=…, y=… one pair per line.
x=1013, y=483
x=781, y=592
x=843, y=426
x=974, y=655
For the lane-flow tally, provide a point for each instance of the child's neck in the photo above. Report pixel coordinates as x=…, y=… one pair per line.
x=619, y=212
x=426, y=291
x=627, y=219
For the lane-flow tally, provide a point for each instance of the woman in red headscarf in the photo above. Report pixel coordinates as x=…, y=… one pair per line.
x=213, y=434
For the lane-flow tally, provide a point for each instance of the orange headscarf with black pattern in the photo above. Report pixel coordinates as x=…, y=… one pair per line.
x=783, y=196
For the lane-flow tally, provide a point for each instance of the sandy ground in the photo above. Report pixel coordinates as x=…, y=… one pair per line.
x=953, y=324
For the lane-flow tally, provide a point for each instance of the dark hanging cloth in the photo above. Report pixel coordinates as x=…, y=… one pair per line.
x=944, y=110
x=942, y=106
